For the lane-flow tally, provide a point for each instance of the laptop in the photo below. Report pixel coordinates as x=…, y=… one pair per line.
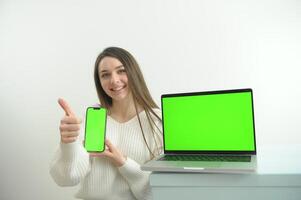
x=210, y=132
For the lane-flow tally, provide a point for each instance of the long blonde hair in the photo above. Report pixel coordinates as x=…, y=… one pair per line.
x=139, y=90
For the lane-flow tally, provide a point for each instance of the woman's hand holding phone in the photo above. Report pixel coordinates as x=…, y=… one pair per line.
x=70, y=124
x=112, y=153
x=69, y=130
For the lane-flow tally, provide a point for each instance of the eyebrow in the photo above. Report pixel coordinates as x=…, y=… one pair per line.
x=118, y=67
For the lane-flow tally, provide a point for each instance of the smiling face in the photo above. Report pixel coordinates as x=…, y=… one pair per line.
x=113, y=78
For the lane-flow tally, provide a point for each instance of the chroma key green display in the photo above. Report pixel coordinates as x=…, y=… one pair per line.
x=209, y=122
x=95, y=129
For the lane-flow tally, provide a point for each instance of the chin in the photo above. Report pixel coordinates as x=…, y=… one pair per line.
x=120, y=97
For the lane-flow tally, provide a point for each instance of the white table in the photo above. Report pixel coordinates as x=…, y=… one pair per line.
x=278, y=177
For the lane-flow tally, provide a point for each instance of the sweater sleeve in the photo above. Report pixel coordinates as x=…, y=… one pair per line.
x=70, y=164
x=137, y=179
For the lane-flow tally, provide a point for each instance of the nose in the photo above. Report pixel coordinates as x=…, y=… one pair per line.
x=115, y=78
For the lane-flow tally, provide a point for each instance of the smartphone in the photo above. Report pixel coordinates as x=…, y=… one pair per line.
x=95, y=130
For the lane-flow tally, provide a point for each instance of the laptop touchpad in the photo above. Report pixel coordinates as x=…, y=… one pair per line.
x=198, y=164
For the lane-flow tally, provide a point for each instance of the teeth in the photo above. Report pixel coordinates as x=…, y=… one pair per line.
x=117, y=89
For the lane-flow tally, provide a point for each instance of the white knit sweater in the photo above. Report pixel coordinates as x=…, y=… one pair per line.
x=98, y=177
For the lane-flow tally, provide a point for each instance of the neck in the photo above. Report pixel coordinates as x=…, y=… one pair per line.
x=124, y=110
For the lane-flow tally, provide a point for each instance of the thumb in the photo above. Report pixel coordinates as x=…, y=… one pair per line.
x=109, y=145
x=64, y=104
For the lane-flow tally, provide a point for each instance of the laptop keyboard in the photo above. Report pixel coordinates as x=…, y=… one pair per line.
x=224, y=158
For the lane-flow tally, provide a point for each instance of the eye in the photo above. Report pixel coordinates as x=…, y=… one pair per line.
x=121, y=71
x=104, y=75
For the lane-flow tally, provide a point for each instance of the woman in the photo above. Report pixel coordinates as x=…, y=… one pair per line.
x=133, y=134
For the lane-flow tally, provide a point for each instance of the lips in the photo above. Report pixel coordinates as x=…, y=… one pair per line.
x=117, y=89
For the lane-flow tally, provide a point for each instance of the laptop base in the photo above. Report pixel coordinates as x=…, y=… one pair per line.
x=201, y=166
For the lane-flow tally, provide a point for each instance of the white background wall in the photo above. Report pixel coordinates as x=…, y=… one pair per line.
x=48, y=48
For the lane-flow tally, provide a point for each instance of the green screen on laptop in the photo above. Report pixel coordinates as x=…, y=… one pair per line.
x=218, y=121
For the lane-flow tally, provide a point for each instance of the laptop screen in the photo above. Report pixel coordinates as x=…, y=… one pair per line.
x=217, y=121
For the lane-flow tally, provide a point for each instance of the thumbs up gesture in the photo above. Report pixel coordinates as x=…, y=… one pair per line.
x=70, y=124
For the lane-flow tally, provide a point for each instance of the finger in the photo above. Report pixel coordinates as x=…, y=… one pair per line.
x=69, y=139
x=70, y=134
x=96, y=154
x=109, y=144
x=69, y=127
x=71, y=120
x=105, y=153
x=66, y=107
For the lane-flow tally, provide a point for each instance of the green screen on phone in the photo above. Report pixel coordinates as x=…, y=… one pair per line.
x=213, y=122
x=95, y=129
